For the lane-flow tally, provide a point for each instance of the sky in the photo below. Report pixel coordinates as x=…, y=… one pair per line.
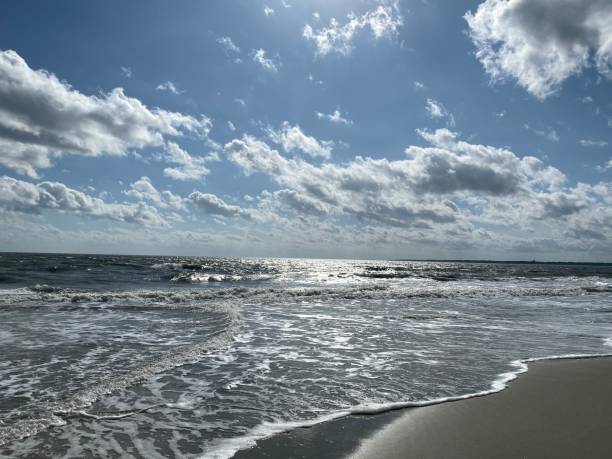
x=404, y=129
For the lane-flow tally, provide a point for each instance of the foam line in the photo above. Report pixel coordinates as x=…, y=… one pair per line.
x=118, y=415
x=169, y=298
x=57, y=412
x=231, y=446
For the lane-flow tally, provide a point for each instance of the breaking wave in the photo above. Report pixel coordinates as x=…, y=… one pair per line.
x=56, y=412
x=51, y=295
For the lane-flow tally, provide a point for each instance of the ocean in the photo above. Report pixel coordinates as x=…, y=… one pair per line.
x=140, y=356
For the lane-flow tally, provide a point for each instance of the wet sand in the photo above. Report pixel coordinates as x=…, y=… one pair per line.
x=558, y=409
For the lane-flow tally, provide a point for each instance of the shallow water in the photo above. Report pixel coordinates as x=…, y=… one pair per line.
x=189, y=357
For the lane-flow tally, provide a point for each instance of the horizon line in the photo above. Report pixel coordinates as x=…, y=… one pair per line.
x=420, y=260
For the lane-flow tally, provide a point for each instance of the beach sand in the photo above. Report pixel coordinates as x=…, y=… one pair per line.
x=558, y=409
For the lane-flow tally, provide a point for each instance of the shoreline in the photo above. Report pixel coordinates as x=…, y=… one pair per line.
x=464, y=426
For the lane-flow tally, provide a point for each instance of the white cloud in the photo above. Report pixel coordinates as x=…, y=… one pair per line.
x=211, y=204
x=259, y=56
x=363, y=189
x=293, y=201
x=228, y=44
x=410, y=192
x=240, y=102
x=548, y=133
x=188, y=167
x=231, y=126
x=127, y=72
x=292, y=138
x=383, y=21
x=28, y=197
x=169, y=86
x=335, y=117
x=593, y=143
x=42, y=117
x=541, y=43
x=606, y=167
x=268, y=11
x=437, y=110
x=143, y=190
x=418, y=85
x=561, y=203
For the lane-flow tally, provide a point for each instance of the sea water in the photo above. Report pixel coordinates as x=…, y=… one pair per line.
x=131, y=356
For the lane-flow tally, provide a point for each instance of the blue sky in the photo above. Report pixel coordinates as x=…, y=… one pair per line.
x=373, y=128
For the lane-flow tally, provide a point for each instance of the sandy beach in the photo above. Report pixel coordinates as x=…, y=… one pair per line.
x=558, y=409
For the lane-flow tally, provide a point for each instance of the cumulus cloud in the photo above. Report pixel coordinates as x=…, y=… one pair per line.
x=259, y=56
x=42, y=117
x=143, y=190
x=452, y=166
x=354, y=189
x=291, y=200
x=291, y=138
x=383, y=21
x=28, y=197
x=187, y=167
x=211, y=204
x=449, y=182
x=335, y=117
x=268, y=11
x=560, y=204
x=541, y=43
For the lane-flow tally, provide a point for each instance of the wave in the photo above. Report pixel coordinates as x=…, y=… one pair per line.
x=229, y=447
x=177, y=266
x=44, y=294
x=218, y=267
x=56, y=413
x=196, y=277
x=405, y=274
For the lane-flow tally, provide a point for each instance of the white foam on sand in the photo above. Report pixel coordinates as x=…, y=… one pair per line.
x=229, y=447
